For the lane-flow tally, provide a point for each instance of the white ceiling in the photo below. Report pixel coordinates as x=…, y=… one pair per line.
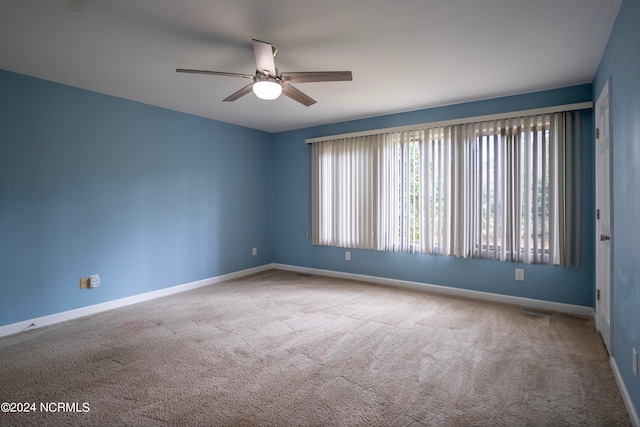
x=404, y=54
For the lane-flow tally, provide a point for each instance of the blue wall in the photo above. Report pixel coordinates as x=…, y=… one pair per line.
x=145, y=197
x=621, y=63
x=150, y=198
x=292, y=219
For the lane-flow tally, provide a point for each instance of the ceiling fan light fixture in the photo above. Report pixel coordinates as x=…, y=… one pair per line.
x=267, y=89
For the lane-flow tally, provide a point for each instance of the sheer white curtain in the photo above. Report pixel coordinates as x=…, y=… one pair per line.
x=501, y=189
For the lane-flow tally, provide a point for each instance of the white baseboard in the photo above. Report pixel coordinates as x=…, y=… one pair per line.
x=51, y=319
x=633, y=414
x=109, y=305
x=526, y=302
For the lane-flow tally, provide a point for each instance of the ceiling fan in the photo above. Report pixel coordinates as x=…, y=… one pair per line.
x=270, y=83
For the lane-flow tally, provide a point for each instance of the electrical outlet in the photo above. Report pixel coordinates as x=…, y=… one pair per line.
x=520, y=274
x=634, y=362
x=347, y=256
x=254, y=251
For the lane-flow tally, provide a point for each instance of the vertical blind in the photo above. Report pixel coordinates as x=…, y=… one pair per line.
x=501, y=189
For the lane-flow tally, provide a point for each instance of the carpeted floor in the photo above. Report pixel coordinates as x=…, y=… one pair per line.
x=282, y=349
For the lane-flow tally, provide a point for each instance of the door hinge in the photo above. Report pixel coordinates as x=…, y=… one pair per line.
x=598, y=295
x=597, y=133
x=597, y=213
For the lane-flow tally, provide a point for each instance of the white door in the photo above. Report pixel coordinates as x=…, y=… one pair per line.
x=603, y=218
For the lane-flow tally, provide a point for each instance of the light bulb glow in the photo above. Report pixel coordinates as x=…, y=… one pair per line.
x=267, y=89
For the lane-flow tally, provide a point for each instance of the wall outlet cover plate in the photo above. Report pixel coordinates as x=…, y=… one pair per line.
x=94, y=281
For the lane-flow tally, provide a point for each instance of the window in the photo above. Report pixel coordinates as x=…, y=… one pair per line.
x=501, y=189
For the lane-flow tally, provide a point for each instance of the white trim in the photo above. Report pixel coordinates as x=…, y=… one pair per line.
x=633, y=414
x=51, y=319
x=452, y=122
x=487, y=296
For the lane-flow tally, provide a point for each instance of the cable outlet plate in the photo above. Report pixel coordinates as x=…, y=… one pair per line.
x=94, y=281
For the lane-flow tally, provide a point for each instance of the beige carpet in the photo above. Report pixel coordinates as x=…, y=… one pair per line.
x=282, y=349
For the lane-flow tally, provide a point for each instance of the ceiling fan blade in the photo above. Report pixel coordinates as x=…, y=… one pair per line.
x=242, y=92
x=317, y=76
x=214, y=73
x=264, y=58
x=297, y=95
